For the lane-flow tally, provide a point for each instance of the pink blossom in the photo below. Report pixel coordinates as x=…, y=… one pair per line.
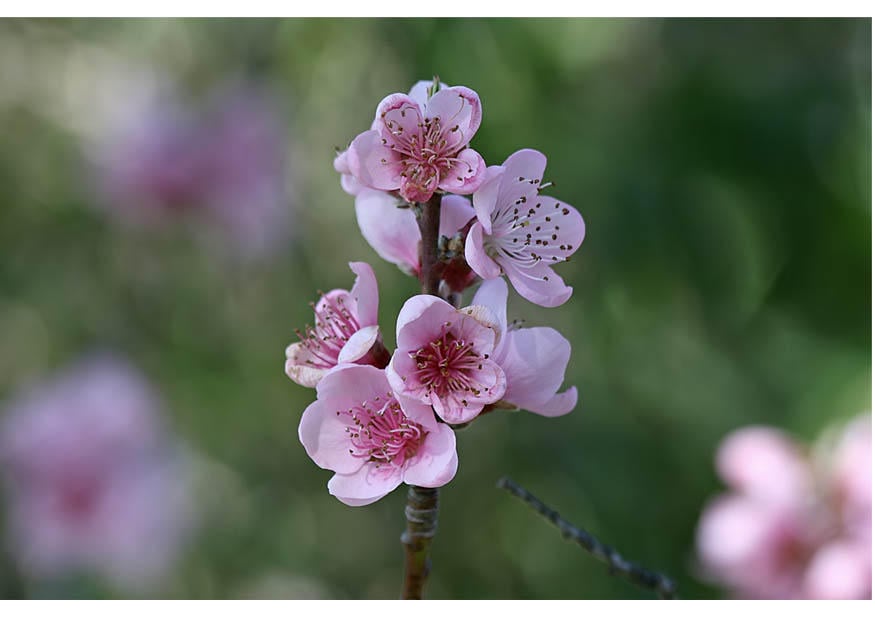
x=533, y=359
x=94, y=483
x=521, y=233
x=418, y=144
x=444, y=358
x=393, y=231
x=373, y=439
x=791, y=527
x=219, y=168
x=345, y=330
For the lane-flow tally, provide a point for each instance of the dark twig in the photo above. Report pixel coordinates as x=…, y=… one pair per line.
x=642, y=577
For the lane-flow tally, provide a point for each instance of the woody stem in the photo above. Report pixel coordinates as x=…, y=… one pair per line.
x=421, y=511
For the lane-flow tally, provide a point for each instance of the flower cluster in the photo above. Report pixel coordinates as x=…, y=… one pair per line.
x=381, y=417
x=794, y=525
x=94, y=482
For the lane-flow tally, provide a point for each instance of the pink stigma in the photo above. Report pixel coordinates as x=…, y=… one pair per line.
x=381, y=433
x=334, y=327
x=444, y=366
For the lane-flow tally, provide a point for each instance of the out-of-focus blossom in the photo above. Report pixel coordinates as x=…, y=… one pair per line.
x=220, y=165
x=534, y=359
x=373, y=439
x=394, y=234
x=445, y=358
x=418, y=144
x=521, y=233
x=94, y=483
x=345, y=330
x=793, y=526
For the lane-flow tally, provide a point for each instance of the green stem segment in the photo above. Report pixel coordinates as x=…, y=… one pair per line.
x=421, y=511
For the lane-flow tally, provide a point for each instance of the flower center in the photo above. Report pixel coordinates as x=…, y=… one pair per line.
x=335, y=324
x=447, y=364
x=380, y=432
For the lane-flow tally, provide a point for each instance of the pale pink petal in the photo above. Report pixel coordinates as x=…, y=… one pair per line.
x=341, y=387
x=459, y=111
x=419, y=92
x=840, y=570
x=437, y=461
x=399, y=116
x=344, y=163
x=392, y=232
x=534, y=361
x=559, y=405
x=365, y=293
x=477, y=258
x=466, y=175
x=539, y=283
x=375, y=165
x=414, y=190
x=747, y=453
x=456, y=212
x=523, y=175
x=298, y=370
x=492, y=294
x=486, y=196
x=326, y=440
x=365, y=486
x=420, y=318
x=359, y=344
x=416, y=411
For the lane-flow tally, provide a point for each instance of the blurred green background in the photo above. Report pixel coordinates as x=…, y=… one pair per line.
x=723, y=170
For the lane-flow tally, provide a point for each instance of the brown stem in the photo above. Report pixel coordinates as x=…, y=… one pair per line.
x=421, y=511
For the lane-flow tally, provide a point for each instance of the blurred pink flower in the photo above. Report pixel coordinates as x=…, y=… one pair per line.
x=374, y=440
x=521, y=233
x=792, y=526
x=418, y=144
x=222, y=167
x=445, y=358
x=393, y=232
x=93, y=482
x=345, y=330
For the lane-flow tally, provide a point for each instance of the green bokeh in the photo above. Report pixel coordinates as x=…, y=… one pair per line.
x=723, y=170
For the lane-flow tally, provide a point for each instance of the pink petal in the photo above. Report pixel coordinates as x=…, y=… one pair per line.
x=399, y=116
x=347, y=385
x=456, y=212
x=413, y=190
x=420, y=319
x=456, y=106
x=325, y=439
x=523, y=174
x=365, y=486
x=365, y=293
x=840, y=570
x=437, y=461
x=392, y=232
x=466, y=175
x=764, y=463
x=376, y=166
x=486, y=196
x=539, y=283
x=416, y=411
x=419, y=92
x=534, y=361
x=559, y=405
x=359, y=344
x=476, y=257
x=302, y=373
x=492, y=294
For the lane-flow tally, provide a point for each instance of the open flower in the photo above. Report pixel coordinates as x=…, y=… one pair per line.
x=418, y=144
x=793, y=525
x=94, y=482
x=372, y=439
x=444, y=358
x=393, y=231
x=345, y=330
x=521, y=233
x=534, y=359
